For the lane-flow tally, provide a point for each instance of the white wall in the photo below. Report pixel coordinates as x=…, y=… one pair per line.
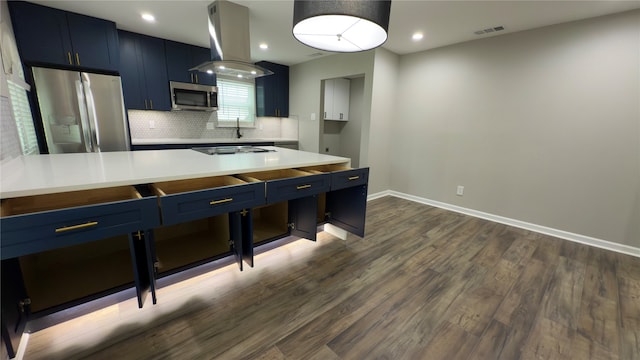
x=541, y=126
x=377, y=145
x=304, y=92
x=343, y=138
x=351, y=133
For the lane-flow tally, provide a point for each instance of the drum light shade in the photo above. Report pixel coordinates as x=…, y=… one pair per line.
x=341, y=25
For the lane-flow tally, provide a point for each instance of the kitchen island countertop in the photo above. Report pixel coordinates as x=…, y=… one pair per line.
x=164, y=141
x=47, y=174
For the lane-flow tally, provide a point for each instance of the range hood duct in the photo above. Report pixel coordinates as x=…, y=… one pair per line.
x=230, y=43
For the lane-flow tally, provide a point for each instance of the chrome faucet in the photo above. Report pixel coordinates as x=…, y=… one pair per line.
x=238, y=135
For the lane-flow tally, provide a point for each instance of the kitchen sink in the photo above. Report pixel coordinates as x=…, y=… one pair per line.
x=224, y=150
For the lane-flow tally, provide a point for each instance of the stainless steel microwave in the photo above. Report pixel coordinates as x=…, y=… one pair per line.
x=186, y=96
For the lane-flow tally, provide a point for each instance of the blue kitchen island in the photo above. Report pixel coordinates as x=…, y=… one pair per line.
x=76, y=227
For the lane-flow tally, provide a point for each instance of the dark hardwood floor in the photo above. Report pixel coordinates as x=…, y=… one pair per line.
x=424, y=283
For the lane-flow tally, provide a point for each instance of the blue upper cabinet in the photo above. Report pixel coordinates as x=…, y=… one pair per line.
x=272, y=91
x=94, y=41
x=55, y=37
x=145, y=84
x=131, y=72
x=182, y=57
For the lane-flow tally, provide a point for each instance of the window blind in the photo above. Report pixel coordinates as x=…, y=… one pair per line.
x=236, y=100
x=23, y=118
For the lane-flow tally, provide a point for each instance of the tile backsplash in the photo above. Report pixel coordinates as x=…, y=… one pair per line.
x=193, y=125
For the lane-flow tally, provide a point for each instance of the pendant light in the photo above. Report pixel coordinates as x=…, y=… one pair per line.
x=341, y=25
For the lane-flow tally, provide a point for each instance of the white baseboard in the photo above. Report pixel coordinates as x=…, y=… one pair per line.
x=378, y=195
x=582, y=239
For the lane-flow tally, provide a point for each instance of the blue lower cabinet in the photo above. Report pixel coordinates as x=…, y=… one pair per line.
x=291, y=204
x=185, y=200
x=288, y=184
x=302, y=217
x=63, y=249
x=15, y=306
x=347, y=209
x=202, y=220
x=236, y=242
x=44, y=222
x=345, y=205
x=142, y=252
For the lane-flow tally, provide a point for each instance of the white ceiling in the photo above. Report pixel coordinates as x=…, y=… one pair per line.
x=442, y=22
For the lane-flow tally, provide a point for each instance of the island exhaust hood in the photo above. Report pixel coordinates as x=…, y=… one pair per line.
x=230, y=44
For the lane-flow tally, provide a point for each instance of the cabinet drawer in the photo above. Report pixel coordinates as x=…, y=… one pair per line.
x=341, y=176
x=186, y=200
x=32, y=224
x=287, y=184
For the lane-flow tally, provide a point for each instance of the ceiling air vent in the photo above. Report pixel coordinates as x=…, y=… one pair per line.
x=489, y=30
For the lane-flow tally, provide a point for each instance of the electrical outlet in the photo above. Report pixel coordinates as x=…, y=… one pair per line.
x=460, y=190
x=152, y=124
x=210, y=126
x=313, y=116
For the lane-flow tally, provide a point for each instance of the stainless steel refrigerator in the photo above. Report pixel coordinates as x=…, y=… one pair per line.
x=80, y=111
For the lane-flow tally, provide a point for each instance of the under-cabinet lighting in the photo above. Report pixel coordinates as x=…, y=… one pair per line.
x=417, y=36
x=264, y=46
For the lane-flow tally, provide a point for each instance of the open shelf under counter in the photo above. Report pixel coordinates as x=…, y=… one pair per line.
x=270, y=222
x=56, y=277
x=191, y=243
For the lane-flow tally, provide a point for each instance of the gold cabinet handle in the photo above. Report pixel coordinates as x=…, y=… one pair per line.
x=145, y=104
x=354, y=178
x=197, y=80
x=300, y=187
x=151, y=104
x=216, y=202
x=77, y=59
x=69, y=56
x=75, y=227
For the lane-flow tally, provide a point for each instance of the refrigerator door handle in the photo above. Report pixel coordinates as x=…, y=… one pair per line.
x=91, y=112
x=84, y=121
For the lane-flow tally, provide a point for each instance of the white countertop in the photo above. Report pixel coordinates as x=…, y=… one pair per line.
x=46, y=174
x=169, y=141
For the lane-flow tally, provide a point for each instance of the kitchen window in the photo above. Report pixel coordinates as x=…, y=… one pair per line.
x=236, y=102
x=23, y=118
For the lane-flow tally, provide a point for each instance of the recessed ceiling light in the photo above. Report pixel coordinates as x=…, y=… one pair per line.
x=148, y=17
x=253, y=72
x=264, y=46
x=221, y=67
x=209, y=72
x=417, y=36
x=239, y=75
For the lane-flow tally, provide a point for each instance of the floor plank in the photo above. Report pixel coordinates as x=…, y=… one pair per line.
x=548, y=340
x=424, y=283
x=563, y=298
